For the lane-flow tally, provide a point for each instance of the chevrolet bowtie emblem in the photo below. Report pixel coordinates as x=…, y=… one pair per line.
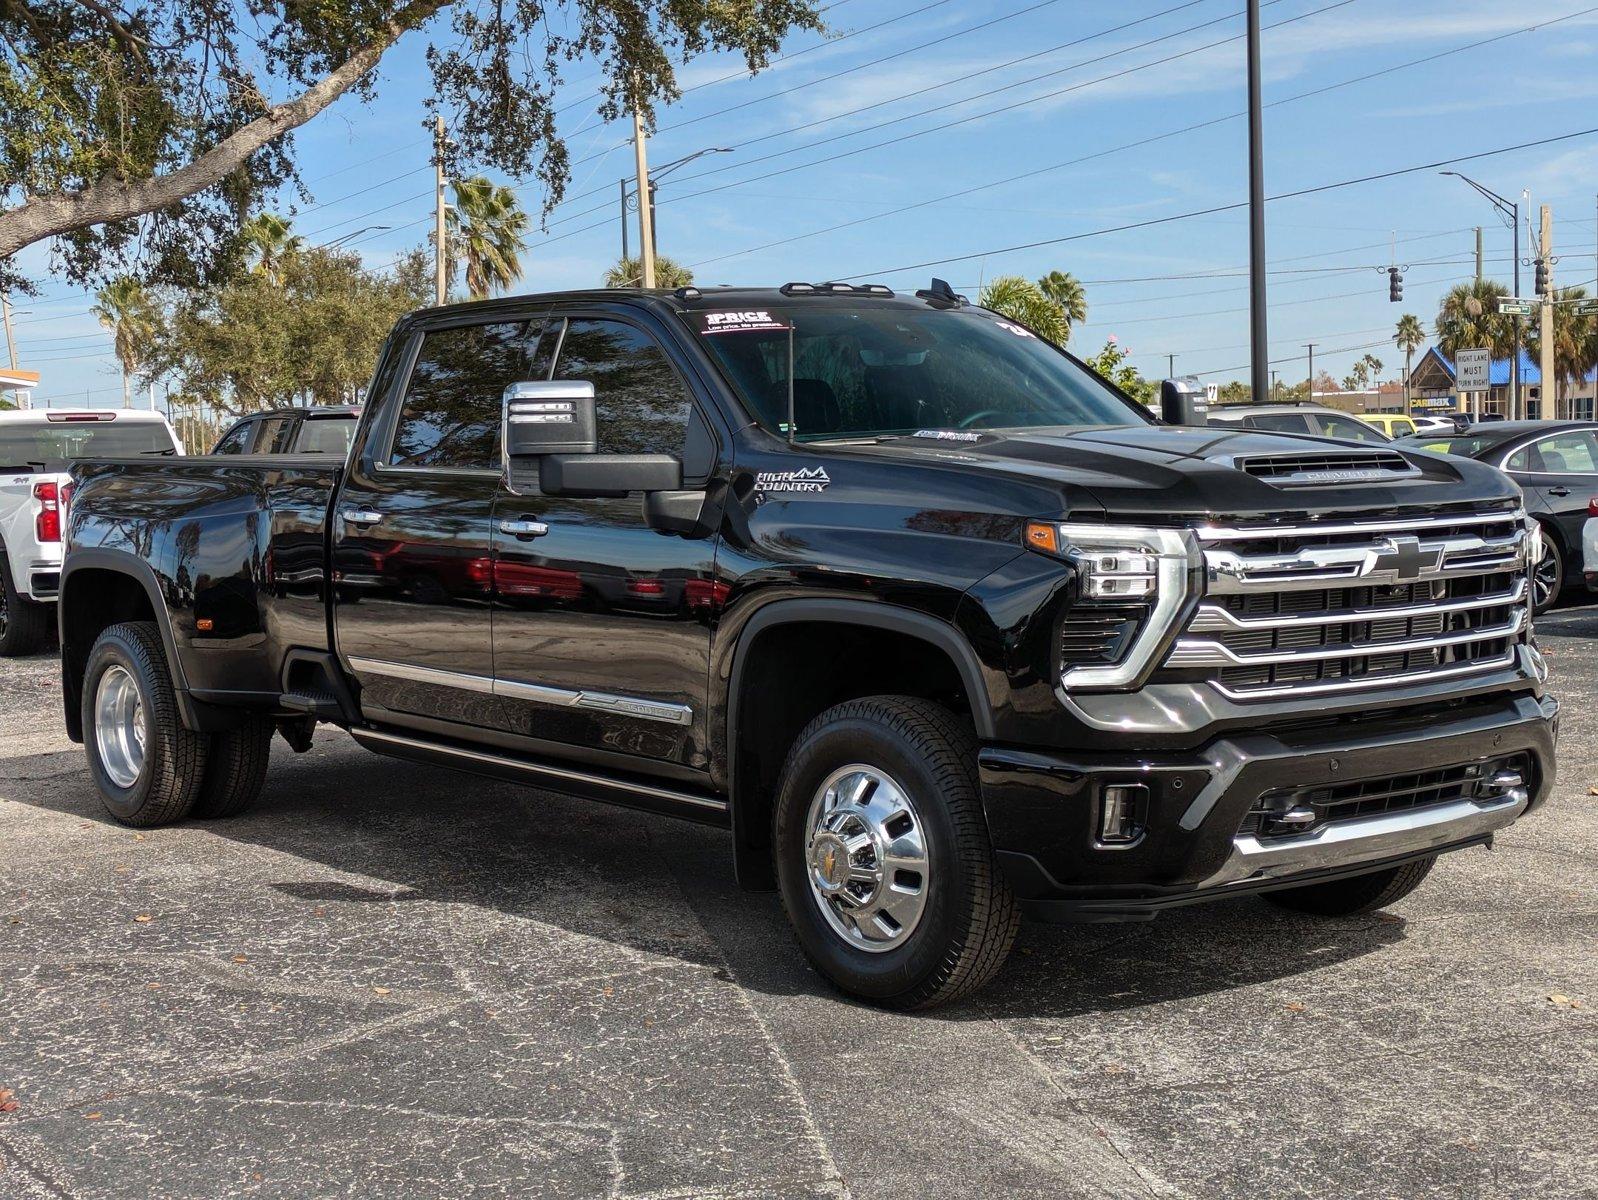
x=1404, y=558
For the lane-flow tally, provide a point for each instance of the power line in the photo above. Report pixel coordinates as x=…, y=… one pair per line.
x=1233, y=207
x=1137, y=144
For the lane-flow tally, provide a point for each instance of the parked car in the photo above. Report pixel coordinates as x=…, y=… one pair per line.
x=1297, y=418
x=940, y=624
x=1441, y=423
x=324, y=430
x=1392, y=424
x=35, y=447
x=1556, y=465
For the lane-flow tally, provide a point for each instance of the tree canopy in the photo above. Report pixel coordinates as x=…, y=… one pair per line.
x=181, y=112
x=310, y=334
x=629, y=272
x=1048, y=307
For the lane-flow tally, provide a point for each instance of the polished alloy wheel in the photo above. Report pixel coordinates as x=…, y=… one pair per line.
x=1545, y=580
x=119, y=726
x=866, y=858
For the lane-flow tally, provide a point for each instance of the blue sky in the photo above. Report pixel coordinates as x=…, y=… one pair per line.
x=924, y=184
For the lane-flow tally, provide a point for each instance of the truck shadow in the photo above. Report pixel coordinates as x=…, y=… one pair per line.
x=410, y=834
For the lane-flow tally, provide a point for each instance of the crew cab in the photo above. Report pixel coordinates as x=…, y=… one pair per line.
x=319, y=429
x=943, y=627
x=35, y=447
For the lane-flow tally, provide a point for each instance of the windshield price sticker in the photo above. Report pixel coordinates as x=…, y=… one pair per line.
x=743, y=320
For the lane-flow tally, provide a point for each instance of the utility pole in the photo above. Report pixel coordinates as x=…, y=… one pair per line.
x=1259, y=346
x=1310, y=395
x=11, y=345
x=1545, y=250
x=1478, y=255
x=646, y=219
x=440, y=272
x=1170, y=366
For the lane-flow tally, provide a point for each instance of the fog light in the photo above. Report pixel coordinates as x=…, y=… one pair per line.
x=1123, y=807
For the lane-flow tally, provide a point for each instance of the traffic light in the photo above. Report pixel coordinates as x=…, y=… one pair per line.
x=1395, y=284
x=1542, y=276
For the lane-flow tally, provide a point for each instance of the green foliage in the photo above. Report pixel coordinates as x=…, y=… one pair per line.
x=1468, y=319
x=629, y=272
x=488, y=231
x=107, y=105
x=310, y=335
x=1111, y=362
x=1361, y=374
x=268, y=240
x=1048, y=307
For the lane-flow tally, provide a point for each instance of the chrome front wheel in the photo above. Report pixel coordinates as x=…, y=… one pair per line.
x=866, y=858
x=1547, y=577
x=119, y=726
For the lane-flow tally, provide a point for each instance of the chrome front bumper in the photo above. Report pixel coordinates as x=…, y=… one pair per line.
x=1368, y=839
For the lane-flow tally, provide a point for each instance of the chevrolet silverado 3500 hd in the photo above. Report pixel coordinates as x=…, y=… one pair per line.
x=941, y=625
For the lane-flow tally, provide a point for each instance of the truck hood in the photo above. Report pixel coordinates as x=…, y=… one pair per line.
x=1163, y=474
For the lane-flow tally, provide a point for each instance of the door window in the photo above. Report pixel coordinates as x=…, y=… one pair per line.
x=1350, y=429
x=1281, y=422
x=451, y=411
x=236, y=440
x=1574, y=453
x=641, y=405
x=272, y=436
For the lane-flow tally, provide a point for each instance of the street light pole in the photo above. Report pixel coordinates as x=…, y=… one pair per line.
x=1258, y=341
x=1310, y=395
x=648, y=180
x=1506, y=208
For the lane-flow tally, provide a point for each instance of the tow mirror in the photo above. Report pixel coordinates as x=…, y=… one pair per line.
x=549, y=417
x=1183, y=402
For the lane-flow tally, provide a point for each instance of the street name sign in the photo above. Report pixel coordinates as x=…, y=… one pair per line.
x=1511, y=307
x=1587, y=308
x=1471, y=370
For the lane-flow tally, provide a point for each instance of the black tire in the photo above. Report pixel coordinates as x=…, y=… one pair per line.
x=174, y=757
x=1361, y=894
x=24, y=623
x=970, y=917
x=235, y=769
x=1548, y=578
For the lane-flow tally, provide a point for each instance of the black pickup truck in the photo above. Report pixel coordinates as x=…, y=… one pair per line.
x=941, y=625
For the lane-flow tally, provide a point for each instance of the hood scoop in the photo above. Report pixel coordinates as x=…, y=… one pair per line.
x=1318, y=468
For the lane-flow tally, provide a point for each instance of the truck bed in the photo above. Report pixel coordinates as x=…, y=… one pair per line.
x=238, y=549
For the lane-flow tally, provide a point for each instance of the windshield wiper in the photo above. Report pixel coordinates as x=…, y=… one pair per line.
x=169, y=451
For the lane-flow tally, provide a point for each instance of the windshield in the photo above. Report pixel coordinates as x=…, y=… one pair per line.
x=869, y=371
x=1465, y=447
x=55, y=442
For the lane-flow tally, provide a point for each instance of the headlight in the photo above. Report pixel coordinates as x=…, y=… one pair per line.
x=1133, y=583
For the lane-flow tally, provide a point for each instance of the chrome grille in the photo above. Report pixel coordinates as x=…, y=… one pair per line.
x=1345, y=607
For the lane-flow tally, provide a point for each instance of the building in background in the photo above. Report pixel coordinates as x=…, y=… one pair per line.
x=1433, y=390
x=16, y=386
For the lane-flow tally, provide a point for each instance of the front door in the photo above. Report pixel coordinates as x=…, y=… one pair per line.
x=413, y=574
x=602, y=625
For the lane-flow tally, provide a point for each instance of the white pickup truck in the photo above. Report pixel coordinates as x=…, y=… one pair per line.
x=36, y=447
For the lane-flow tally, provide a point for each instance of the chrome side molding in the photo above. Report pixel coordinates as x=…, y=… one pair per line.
x=630, y=706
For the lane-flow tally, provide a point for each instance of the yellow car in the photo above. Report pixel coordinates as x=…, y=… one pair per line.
x=1394, y=425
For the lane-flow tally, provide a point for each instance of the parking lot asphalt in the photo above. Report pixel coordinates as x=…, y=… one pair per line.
x=395, y=981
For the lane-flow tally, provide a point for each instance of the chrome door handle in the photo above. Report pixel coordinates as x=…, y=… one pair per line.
x=361, y=516
x=1559, y=491
x=524, y=528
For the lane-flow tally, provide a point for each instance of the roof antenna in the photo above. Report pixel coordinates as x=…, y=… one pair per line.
x=941, y=293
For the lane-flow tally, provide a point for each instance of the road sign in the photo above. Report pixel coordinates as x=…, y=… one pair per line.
x=1512, y=307
x=1587, y=308
x=1471, y=367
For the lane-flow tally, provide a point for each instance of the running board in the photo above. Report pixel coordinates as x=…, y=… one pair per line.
x=610, y=789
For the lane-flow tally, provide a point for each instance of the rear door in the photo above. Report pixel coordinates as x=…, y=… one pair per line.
x=602, y=626
x=1559, y=474
x=411, y=552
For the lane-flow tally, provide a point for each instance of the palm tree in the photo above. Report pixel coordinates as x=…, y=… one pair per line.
x=1572, y=343
x=1065, y=289
x=1468, y=319
x=1410, y=336
x=488, y=229
x=629, y=273
x=1024, y=301
x=125, y=308
x=267, y=236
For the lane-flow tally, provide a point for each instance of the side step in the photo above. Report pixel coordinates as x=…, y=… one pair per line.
x=323, y=705
x=611, y=789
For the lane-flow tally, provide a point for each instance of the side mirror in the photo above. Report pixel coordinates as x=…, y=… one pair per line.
x=1183, y=402
x=554, y=417
x=596, y=475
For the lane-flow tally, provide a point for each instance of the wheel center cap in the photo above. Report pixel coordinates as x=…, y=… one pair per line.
x=829, y=862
